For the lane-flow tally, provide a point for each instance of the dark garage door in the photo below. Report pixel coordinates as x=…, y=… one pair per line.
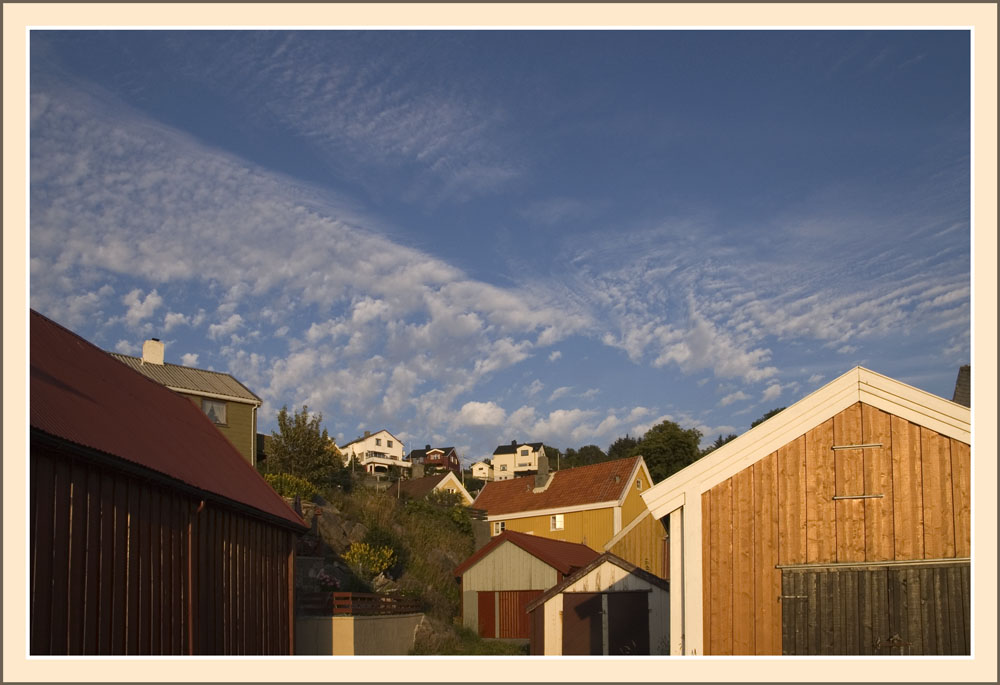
x=885, y=610
x=628, y=623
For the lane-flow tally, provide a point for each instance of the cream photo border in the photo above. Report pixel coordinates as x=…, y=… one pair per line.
x=981, y=18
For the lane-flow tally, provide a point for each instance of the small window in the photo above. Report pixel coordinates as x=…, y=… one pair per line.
x=388, y=443
x=524, y=452
x=638, y=484
x=556, y=522
x=503, y=467
x=378, y=442
x=215, y=410
x=499, y=527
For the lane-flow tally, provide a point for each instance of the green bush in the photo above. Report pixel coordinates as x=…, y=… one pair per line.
x=287, y=485
x=369, y=560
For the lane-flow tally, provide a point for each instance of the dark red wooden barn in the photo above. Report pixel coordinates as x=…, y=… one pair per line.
x=149, y=533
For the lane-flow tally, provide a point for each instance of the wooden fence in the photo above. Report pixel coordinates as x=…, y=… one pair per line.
x=355, y=604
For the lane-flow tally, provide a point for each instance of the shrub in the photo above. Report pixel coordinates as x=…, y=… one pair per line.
x=287, y=485
x=369, y=560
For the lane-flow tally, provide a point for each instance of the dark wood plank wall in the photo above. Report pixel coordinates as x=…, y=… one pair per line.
x=121, y=565
x=782, y=511
x=880, y=611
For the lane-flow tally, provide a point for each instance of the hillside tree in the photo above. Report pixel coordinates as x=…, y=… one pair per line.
x=766, y=416
x=302, y=448
x=622, y=447
x=667, y=448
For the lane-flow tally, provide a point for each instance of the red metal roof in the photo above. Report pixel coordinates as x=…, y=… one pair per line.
x=564, y=557
x=81, y=394
x=603, y=482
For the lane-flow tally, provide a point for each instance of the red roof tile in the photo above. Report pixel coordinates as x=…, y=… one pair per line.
x=565, y=557
x=603, y=482
x=82, y=395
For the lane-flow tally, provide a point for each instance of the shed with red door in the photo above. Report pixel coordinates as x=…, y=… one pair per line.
x=513, y=569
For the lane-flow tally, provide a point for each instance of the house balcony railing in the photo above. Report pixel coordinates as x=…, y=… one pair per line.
x=384, y=459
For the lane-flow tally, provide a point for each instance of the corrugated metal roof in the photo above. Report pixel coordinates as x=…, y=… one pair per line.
x=187, y=378
x=81, y=395
x=603, y=482
x=564, y=557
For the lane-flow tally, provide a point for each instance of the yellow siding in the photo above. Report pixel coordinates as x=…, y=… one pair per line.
x=634, y=505
x=592, y=528
x=644, y=546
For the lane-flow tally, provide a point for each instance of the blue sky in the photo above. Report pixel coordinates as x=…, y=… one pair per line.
x=469, y=237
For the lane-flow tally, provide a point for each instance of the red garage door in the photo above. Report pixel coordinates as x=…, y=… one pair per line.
x=503, y=614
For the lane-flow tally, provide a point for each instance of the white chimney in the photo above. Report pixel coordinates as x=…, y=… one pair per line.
x=152, y=352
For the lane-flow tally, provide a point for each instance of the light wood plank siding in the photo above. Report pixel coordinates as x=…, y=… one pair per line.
x=781, y=511
x=592, y=528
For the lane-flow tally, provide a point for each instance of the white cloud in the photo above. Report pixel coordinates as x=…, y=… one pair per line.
x=139, y=307
x=173, y=319
x=227, y=327
x=189, y=359
x=771, y=392
x=480, y=414
x=560, y=392
x=737, y=396
x=535, y=388
x=126, y=347
x=816, y=378
x=554, y=355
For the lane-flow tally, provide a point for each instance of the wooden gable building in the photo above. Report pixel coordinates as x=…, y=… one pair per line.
x=839, y=526
x=149, y=532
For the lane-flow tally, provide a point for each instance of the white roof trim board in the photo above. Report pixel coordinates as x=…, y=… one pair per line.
x=857, y=385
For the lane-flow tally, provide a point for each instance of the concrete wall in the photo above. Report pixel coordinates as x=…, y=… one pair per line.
x=356, y=635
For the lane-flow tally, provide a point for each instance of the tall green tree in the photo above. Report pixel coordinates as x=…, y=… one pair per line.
x=766, y=416
x=667, y=448
x=622, y=447
x=302, y=447
x=719, y=442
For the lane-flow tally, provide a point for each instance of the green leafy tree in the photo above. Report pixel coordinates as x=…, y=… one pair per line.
x=719, y=442
x=765, y=417
x=667, y=448
x=301, y=447
x=591, y=454
x=622, y=447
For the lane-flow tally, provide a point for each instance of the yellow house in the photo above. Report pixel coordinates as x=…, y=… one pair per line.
x=600, y=506
x=230, y=405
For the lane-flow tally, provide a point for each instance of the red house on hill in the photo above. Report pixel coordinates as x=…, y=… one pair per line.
x=149, y=532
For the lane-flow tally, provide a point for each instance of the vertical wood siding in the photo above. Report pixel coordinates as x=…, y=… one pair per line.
x=781, y=511
x=114, y=569
x=645, y=546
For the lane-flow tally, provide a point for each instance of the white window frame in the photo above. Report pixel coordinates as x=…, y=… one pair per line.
x=638, y=484
x=499, y=527
x=557, y=522
x=207, y=404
